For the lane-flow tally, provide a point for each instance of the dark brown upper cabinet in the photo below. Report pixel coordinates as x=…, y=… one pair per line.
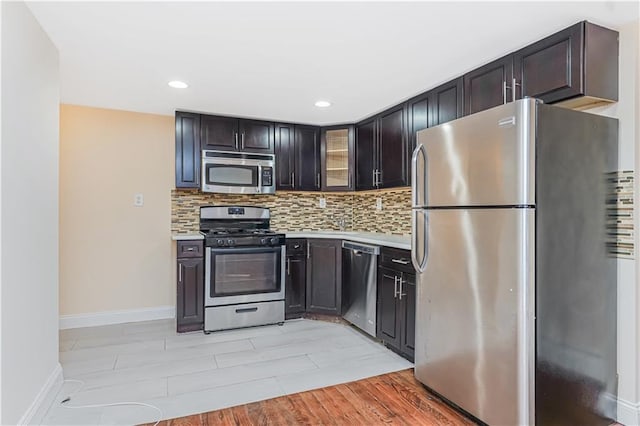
x=307, y=153
x=382, y=150
x=233, y=134
x=187, y=150
x=577, y=66
x=437, y=106
x=446, y=102
x=297, y=157
x=337, y=158
x=366, y=154
x=392, y=148
x=285, y=156
x=488, y=86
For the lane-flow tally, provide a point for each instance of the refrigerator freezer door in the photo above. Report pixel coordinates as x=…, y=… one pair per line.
x=485, y=159
x=475, y=312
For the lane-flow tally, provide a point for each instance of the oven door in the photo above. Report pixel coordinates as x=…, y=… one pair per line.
x=244, y=275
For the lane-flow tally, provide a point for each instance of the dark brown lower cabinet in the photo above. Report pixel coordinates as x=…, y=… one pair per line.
x=324, y=276
x=190, y=287
x=295, y=279
x=408, y=312
x=396, y=307
x=388, y=307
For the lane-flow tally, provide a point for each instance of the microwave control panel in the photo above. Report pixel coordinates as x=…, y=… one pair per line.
x=267, y=176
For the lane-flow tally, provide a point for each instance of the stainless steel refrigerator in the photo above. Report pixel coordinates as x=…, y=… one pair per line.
x=516, y=292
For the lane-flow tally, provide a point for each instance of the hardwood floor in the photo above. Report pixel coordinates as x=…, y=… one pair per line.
x=396, y=399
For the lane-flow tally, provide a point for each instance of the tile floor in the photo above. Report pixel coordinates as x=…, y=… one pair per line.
x=184, y=374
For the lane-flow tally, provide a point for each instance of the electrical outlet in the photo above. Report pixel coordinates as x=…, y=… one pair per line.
x=323, y=203
x=138, y=200
x=378, y=203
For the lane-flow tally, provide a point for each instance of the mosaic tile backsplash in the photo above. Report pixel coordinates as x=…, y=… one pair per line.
x=620, y=205
x=300, y=211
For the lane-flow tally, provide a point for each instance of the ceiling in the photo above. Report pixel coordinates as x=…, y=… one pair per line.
x=274, y=60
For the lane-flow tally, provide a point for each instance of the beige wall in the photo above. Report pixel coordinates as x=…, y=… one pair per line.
x=114, y=256
x=29, y=226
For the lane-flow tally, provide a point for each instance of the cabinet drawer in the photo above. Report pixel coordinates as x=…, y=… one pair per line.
x=296, y=247
x=190, y=249
x=396, y=259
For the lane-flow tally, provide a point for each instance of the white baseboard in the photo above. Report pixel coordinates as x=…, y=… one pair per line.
x=116, y=317
x=40, y=405
x=628, y=413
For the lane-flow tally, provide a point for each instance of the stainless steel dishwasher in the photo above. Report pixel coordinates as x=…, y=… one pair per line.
x=359, y=284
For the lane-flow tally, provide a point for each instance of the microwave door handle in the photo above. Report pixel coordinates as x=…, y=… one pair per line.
x=259, y=179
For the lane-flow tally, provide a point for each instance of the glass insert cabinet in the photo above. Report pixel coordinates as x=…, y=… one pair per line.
x=337, y=158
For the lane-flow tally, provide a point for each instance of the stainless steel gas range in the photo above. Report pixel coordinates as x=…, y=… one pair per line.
x=244, y=268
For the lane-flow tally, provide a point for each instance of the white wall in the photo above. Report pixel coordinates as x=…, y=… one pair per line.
x=29, y=212
x=628, y=112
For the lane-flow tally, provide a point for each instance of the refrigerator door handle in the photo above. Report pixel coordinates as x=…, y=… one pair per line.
x=419, y=264
x=415, y=199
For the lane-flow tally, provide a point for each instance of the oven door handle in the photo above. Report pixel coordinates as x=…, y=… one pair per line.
x=242, y=250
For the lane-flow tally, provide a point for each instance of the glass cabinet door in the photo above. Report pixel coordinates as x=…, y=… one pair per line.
x=337, y=160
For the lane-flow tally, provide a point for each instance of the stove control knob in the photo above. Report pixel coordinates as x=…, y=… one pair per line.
x=231, y=242
x=264, y=241
x=220, y=242
x=274, y=240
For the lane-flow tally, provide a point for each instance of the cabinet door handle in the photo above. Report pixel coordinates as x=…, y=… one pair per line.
x=288, y=266
x=514, y=83
x=318, y=181
x=242, y=141
x=180, y=272
x=504, y=92
x=400, y=293
x=293, y=179
x=236, y=136
x=400, y=261
x=350, y=178
x=373, y=179
x=308, y=250
x=395, y=286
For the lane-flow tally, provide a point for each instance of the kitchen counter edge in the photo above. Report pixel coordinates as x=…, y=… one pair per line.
x=396, y=241
x=187, y=237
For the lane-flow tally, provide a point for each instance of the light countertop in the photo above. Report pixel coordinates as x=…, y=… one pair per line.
x=180, y=236
x=397, y=241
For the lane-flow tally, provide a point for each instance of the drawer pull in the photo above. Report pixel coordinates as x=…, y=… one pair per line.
x=191, y=249
x=400, y=261
x=243, y=310
x=296, y=246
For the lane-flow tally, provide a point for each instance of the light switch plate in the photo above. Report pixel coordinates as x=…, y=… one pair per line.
x=138, y=200
x=323, y=203
x=378, y=203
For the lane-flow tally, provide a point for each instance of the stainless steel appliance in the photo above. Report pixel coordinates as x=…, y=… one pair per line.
x=244, y=268
x=359, y=285
x=516, y=293
x=238, y=173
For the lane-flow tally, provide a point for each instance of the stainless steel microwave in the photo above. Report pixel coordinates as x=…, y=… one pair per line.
x=238, y=172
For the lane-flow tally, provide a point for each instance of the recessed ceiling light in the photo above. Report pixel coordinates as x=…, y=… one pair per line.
x=178, y=84
x=323, y=104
